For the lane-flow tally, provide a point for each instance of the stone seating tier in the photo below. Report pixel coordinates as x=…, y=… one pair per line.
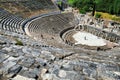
x=51, y=24
x=11, y=22
x=66, y=34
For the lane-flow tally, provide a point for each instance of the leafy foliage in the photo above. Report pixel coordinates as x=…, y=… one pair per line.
x=107, y=16
x=109, y=6
x=18, y=42
x=97, y=15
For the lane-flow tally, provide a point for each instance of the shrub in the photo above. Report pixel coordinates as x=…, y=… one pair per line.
x=82, y=11
x=97, y=15
x=116, y=19
x=18, y=42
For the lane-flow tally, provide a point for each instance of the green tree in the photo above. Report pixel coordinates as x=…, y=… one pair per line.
x=109, y=6
x=116, y=6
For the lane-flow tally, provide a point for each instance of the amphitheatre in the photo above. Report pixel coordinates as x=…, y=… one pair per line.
x=39, y=42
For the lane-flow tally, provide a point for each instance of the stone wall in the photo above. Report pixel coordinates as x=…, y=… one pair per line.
x=101, y=33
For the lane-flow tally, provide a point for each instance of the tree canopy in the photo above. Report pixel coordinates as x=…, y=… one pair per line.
x=109, y=6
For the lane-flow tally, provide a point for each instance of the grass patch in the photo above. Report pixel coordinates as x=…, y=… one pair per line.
x=107, y=16
x=18, y=42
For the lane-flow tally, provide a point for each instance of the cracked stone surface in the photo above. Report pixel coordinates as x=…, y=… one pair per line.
x=37, y=61
x=50, y=63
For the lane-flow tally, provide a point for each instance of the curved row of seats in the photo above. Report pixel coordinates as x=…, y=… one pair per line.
x=42, y=4
x=67, y=37
x=10, y=22
x=50, y=24
x=95, y=31
x=67, y=34
x=56, y=23
x=100, y=33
